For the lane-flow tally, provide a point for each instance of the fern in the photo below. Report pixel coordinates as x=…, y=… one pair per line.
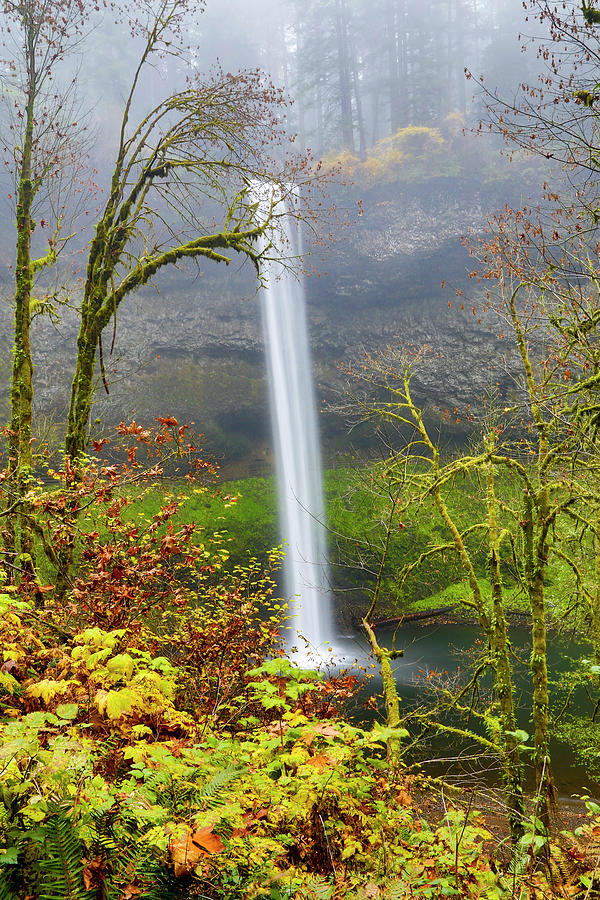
x=175, y=794
x=117, y=837
x=211, y=791
x=397, y=891
x=6, y=892
x=104, y=841
x=318, y=888
x=60, y=865
x=161, y=884
x=138, y=866
x=131, y=865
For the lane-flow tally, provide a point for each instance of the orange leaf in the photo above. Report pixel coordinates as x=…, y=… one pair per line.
x=403, y=798
x=208, y=840
x=130, y=891
x=187, y=852
x=320, y=762
x=327, y=730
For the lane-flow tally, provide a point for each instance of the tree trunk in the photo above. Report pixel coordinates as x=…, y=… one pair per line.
x=360, y=121
x=500, y=652
x=21, y=458
x=390, y=693
x=395, y=87
x=82, y=392
x=595, y=603
x=536, y=561
x=345, y=86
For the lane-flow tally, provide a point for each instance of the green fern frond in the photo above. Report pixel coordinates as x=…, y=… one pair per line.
x=157, y=782
x=6, y=892
x=138, y=866
x=61, y=861
x=104, y=840
x=318, y=888
x=132, y=865
x=210, y=792
x=160, y=883
x=397, y=891
x=174, y=794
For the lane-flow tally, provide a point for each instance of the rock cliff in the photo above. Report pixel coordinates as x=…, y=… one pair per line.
x=192, y=345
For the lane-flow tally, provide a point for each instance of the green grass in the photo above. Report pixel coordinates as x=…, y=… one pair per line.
x=245, y=513
x=245, y=510
x=354, y=513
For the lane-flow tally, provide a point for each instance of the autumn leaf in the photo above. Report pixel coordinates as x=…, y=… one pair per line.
x=187, y=852
x=276, y=729
x=169, y=544
x=403, y=798
x=327, y=730
x=93, y=874
x=320, y=762
x=130, y=891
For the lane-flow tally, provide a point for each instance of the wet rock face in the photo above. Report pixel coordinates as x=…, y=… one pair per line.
x=384, y=289
x=192, y=346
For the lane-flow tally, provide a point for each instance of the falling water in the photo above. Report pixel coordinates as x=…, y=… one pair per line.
x=298, y=458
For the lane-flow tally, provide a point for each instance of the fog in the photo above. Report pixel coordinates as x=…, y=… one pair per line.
x=358, y=70
x=376, y=88
x=355, y=71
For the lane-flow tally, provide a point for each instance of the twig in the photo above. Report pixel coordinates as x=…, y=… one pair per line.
x=327, y=845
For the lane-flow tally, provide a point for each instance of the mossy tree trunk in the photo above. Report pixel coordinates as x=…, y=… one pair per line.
x=390, y=692
x=490, y=613
x=500, y=650
x=595, y=593
x=182, y=140
x=538, y=517
x=41, y=150
x=491, y=616
x=384, y=656
x=117, y=268
x=21, y=457
x=535, y=563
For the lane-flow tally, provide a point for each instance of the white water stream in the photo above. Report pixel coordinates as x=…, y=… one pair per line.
x=297, y=453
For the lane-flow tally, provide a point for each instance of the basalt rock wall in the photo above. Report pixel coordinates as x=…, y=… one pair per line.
x=192, y=344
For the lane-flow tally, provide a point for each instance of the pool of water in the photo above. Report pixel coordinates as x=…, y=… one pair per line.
x=444, y=656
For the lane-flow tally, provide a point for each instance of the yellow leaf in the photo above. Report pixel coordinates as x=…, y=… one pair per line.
x=47, y=689
x=100, y=701
x=119, y=703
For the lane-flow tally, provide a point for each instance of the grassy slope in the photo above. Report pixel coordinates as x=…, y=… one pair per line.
x=357, y=514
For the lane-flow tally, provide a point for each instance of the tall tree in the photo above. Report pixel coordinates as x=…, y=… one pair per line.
x=344, y=73
x=185, y=186
x=40, y=138
x=181, y=189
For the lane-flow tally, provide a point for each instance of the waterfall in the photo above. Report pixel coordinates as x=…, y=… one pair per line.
x=297, y=450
